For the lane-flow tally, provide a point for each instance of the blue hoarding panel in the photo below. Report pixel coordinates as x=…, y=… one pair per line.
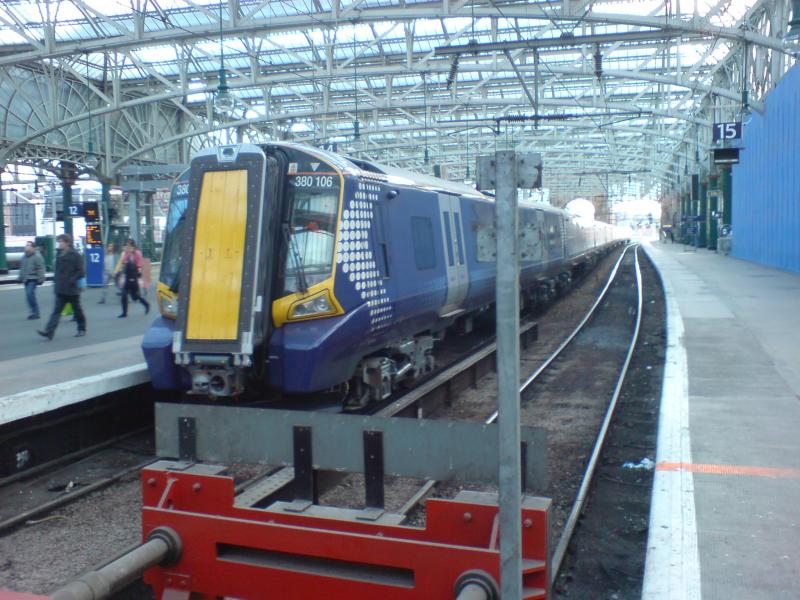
x=766, y=183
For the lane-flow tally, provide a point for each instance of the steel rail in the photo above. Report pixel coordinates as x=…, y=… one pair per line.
x=72, y=496
x=428, y=486
x=555, y=354
x=580, y=500
x=73, y=458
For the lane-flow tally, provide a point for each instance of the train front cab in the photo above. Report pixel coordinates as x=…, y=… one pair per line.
x=225, y=276
x=249, y=249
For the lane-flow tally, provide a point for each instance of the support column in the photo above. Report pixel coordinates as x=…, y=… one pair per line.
x=66, y=203
x=505, y=172
x=149, y=238
x=133, y=217
x=726, y=185
x=508, y=374
x=105, y=209
x=702, y=212
x=686, y=211
x=712, y=209
x=694, y=210
x=68, y=177
x=3, y=263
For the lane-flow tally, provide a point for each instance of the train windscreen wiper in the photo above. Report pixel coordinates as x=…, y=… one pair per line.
x=298, y=260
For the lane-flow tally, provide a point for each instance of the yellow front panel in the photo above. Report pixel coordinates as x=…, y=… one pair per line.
x=218, y=257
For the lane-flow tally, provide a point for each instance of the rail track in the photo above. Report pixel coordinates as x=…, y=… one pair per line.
x=547, y=365
x=425, y=399
x=28, y=494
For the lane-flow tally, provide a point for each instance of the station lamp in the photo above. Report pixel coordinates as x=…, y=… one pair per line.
x=223, y=99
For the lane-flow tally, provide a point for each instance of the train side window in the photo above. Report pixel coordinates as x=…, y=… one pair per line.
x=448, y=237
x=380, y=239
x=422, y=238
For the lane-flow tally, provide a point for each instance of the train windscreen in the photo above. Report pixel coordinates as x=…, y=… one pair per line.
x=312, y=230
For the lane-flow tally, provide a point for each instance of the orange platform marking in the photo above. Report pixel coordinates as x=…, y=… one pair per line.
x=730, y=470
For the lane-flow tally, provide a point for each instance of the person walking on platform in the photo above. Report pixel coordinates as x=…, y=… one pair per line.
x=109, y=264
x=130, y=269
x=69, y=270
x=31, y=274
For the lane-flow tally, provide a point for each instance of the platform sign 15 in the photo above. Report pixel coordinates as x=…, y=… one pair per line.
x=727, y=131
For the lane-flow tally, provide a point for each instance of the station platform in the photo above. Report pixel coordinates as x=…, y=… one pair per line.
x=724, y=521
x=37, y=375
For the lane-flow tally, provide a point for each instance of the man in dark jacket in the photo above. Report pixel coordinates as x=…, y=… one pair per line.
x=69, y=269
x=31, y=274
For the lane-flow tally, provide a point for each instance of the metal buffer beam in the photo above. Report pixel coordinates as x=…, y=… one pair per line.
x=315, y=441
x=230, y=551
x=300, y=547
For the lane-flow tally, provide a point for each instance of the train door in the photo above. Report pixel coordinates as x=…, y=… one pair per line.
x=544, y=252
x=454, y=253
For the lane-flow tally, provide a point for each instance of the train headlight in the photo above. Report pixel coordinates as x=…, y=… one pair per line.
x=316, y=306
x=168, y=305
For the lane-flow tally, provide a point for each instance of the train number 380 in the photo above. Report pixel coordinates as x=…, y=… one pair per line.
x=323, y=181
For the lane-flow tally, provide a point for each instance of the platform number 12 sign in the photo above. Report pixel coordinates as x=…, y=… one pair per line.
x=727, y=131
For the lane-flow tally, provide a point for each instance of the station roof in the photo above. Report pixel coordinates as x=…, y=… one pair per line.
x=615, y=95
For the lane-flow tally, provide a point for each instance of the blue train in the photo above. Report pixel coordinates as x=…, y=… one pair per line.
x=293, y=268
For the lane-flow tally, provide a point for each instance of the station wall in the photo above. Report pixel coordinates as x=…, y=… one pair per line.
x=766, y=182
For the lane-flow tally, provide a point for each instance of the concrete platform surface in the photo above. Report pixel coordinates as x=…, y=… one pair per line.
x=37, y=375
x=725, y=521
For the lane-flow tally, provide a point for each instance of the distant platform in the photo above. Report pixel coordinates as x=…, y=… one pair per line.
x=724, y=516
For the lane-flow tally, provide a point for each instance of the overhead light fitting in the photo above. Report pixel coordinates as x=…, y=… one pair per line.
x=224, y=101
